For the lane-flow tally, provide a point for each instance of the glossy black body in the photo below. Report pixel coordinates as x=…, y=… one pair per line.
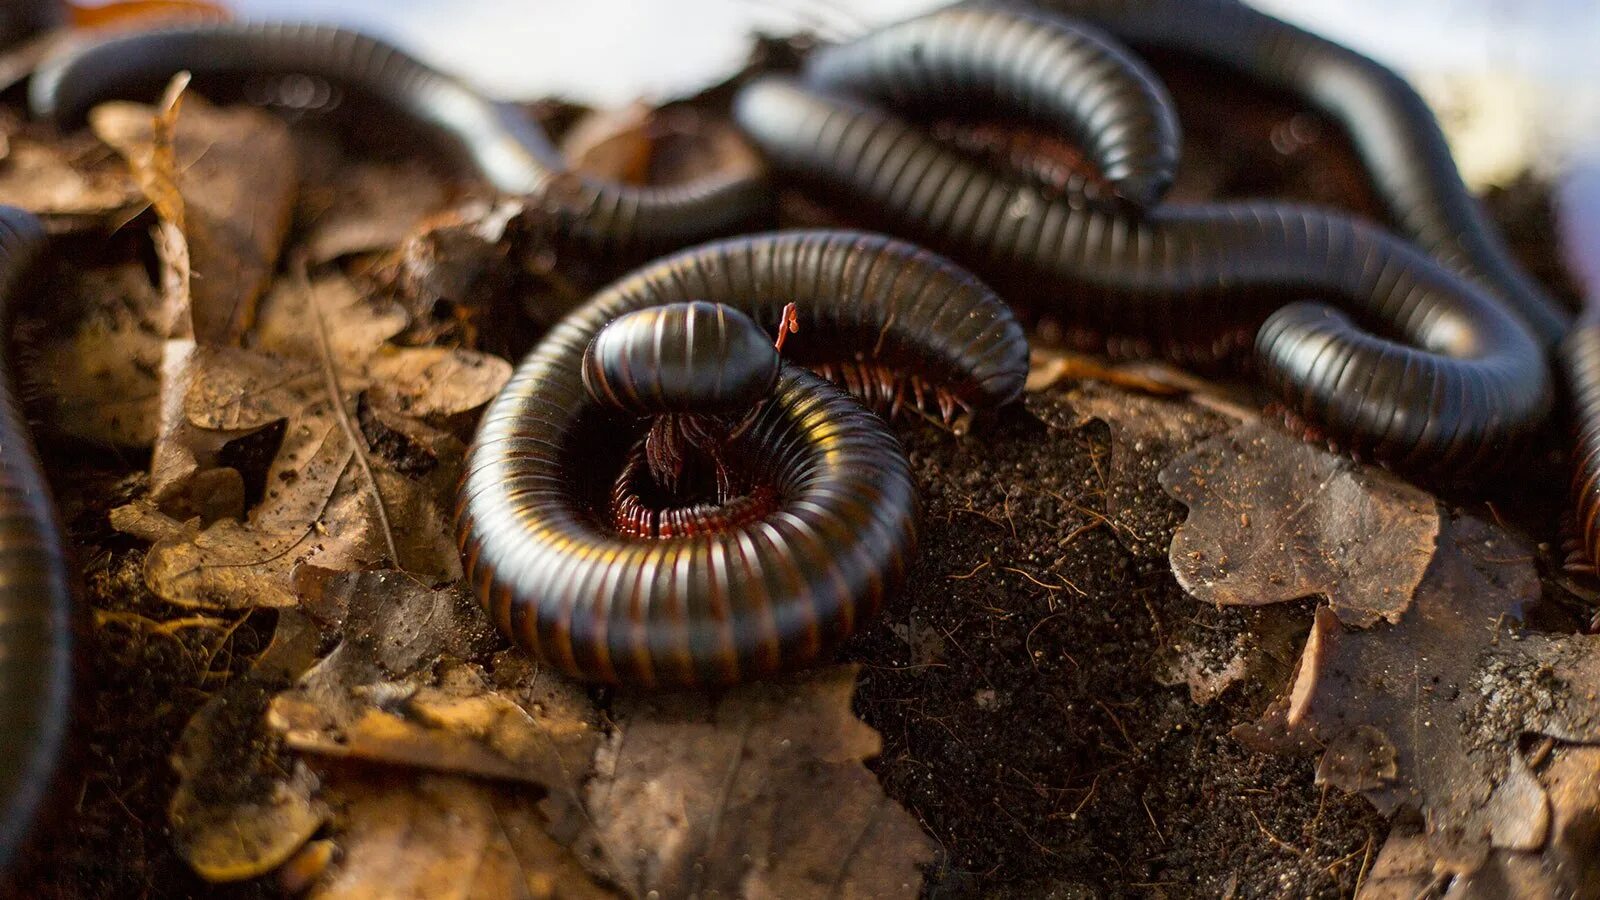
x=503, y=142
x=35, y=582
x=1455, y=379
x=768, y=594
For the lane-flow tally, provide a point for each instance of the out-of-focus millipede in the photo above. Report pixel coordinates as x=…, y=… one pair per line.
x=1470, y=385
x=745, y=590
x=507, y=147
x=35, y=582
x=23, y=19
x=1389, y=124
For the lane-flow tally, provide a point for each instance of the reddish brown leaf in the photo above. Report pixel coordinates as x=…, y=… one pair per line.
x=1274, y=519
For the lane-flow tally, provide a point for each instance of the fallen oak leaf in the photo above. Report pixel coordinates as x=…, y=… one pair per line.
x=1273, y=519
x=1566, y=866
x=368, y=207
x=757, y=792
x=1429, y=712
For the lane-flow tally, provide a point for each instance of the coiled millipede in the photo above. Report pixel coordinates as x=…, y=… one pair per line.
x=507, y=146
x=731, y=593
x=1464, y=387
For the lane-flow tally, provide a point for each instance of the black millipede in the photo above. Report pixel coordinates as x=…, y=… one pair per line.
x=1058, y=74
x=1391, y=127
x=1471, y=382
x=35, y=583
x=781, y=582
x=506, y=146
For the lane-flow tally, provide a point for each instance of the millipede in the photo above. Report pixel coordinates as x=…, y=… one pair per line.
x=823, y=519
x=506, y=146
x=1464, y=387
x=36, y=587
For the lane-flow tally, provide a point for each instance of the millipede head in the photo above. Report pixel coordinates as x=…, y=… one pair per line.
x=694, y=357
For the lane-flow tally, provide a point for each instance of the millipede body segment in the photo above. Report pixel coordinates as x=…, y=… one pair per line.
x=1056, y=73
x=824, y=521
x=35, y=582
x=1454, y=378
x=507, y=147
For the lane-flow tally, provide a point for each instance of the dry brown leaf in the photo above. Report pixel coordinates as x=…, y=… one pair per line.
x=330, y=500
x=758, y=792
x=103, y=377
x=242, y=807
x=1429, y=712
x=453, y=262
x=1566, y=867
x=439, y=836
x=223, y=183
x=1272, y=518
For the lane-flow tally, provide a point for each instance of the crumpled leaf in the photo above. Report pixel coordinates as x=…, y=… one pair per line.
x=329, y=501
x=242, y=807
x=1274, y=519
x=1145, y=433
x=103, y=377
x=1429, y=712
x=223, y=182
x=428, y=835
x=1566, y=867
x=758, y=792
x=397, y=690
x=453, y=262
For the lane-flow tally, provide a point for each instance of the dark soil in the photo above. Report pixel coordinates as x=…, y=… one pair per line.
x=1016, y=684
